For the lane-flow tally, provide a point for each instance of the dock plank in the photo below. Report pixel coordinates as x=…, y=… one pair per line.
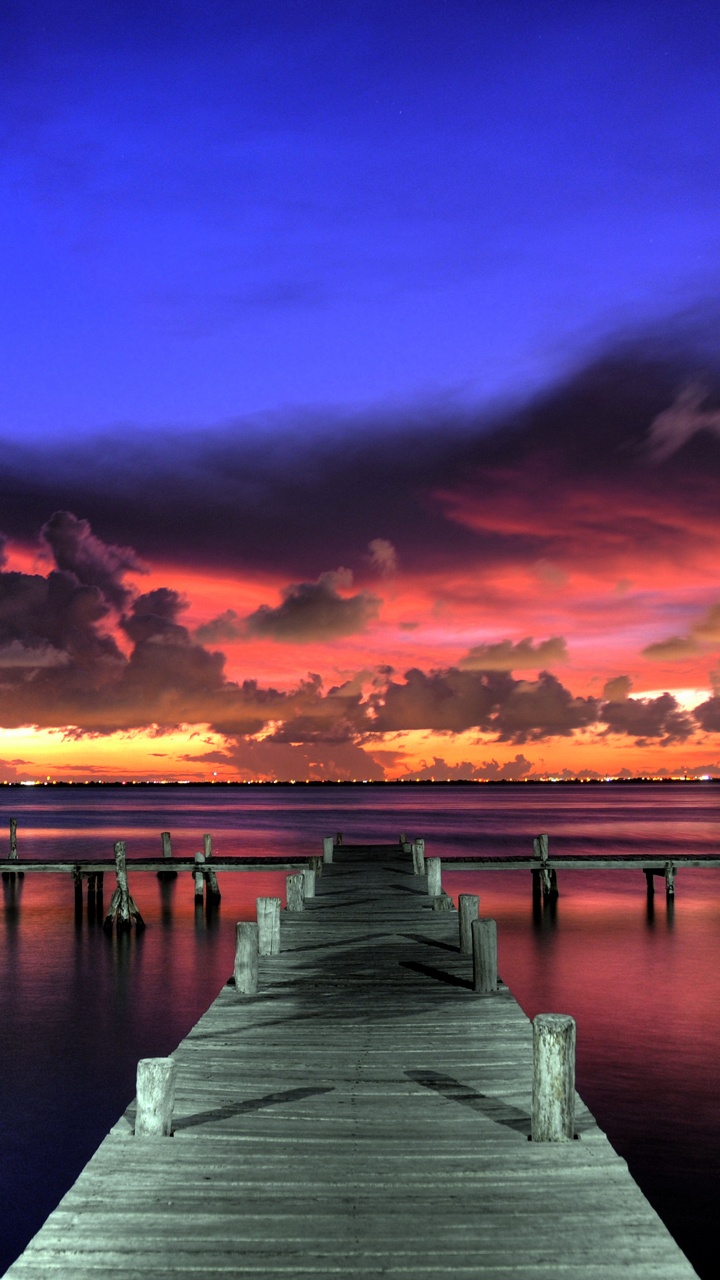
x=366, y=1114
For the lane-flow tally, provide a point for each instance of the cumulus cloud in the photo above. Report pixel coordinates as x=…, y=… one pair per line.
x=383, y=556
x=94, y=563
x=226, y=628
x=274, y=760
x=617, y=689
x=315, y=611
x=643, y=718
x=704, y=634
x=506, y=656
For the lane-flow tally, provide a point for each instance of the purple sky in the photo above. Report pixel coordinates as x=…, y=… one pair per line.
x=213, y=210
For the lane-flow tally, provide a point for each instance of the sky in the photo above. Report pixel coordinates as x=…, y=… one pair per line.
x=359, y=389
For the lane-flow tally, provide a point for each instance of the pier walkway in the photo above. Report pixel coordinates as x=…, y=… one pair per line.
x=365, y=1115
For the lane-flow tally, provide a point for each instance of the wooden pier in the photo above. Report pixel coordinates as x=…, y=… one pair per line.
x=366, y=1114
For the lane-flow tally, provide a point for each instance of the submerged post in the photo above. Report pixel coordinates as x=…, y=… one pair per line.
x=469, y=909
x=294, y=892
x=155, y=1089
x=548, y=876
x=167, y=857
x=669, y=880
x=246, y=958
x=484, y=949
x=553, y=1095
x=327, y=848
x=122, y=907
x=13, y=840
x=268, y=921
x=199, y=875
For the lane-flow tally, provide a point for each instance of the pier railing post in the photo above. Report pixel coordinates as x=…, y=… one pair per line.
x=553, y=1094
x=308, y=876
x=155, y=1088
x=268, y=920
x=418, y=854
x=434, y=875
x=294, y=892
x=327, y=848
x=246, y=958
x=469, y=909
x=484, y=950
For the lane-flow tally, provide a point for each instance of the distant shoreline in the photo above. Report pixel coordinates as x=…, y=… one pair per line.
x=405, y=782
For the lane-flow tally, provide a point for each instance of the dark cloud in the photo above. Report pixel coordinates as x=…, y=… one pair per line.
x=617, y=689
x=273, y=760
x=228, y=626
x=708, y=715
x=704, y=634
x=94, y=563
x=281, y=493
x=644, y=718
x=506, y=656
x=488, y=771
x=315, y=611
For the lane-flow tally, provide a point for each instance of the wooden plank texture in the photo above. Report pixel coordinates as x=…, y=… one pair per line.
x=366, y=1114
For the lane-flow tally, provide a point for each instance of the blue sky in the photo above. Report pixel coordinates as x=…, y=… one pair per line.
x=214, y=211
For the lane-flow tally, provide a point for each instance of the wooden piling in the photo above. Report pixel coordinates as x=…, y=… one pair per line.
x=13, y=839
x=669, y=880
x=649, y=882
x=548, y=876
x=199, y=876
x=418, y=854
x=155, y=1088
x=166, y=842
x=122, y=907
x=308, y=875
x=434, y=877
x=268, y=920
x=246, y=958
x=484, y=952
x=294, y=892
x=469, y=909
x=338, y=840
x=327, y=848
x=553, y=1094
x=403, y=839
x=316, y=864
x=207, y=846
x=77, y=885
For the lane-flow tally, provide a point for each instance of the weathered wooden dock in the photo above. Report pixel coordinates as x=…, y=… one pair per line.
x=366, y=1114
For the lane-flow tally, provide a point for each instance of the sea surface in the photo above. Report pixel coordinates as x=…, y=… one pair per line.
x=79, y=1008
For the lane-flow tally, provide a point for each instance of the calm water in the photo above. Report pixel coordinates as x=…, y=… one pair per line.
x=77, y=1009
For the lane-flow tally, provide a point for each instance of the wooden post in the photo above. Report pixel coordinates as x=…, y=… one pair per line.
x=207, y=846
x=122, y=907
x=418, y=853
x=327, y=848
x=484, y=949
x=246, y=958
x=338, y=840
x=553, y=1095
x=268, y=919
x=669, y=880
x=155, y=1097
x=308, y=876
x=13, y=840
x=434, y=875
x=199, y=875
x=316, y=865
x=548, y=877
x=211, y=881
x=403, y=839
x=649, y=882
x=469, y=908
x=77, y=884
x=294, y=892
x=167, y=856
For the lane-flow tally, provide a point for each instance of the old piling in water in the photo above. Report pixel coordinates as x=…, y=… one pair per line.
x=418, y=855
x=166, y=843
x=122, y=907
x=13, y=840
x=246, y=958
x=268, y=921
x=199, y=876
x=155, y=1089
x=547, y=875
x=469, y=910
x=484, y=952
x=211, y=881
x=553, y=1094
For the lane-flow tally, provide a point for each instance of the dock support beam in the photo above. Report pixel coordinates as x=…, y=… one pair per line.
x=155, y=1089
x=553, y=1096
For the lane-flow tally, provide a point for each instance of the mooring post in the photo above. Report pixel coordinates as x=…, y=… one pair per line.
x=327, y=848
x=418, y=853
x=484, y=952
x=548, y=877
x=434, y=875
x=294, y=892
x=246, y=958
x=308, y=876
x=268, y=921
x=122, y=907
x=316, y=865
x=553, y=1093
x=669, y=880
x=166, y=842
x=155, y=1090
x=469, y=908
x=199, y=876
x=13, y=840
